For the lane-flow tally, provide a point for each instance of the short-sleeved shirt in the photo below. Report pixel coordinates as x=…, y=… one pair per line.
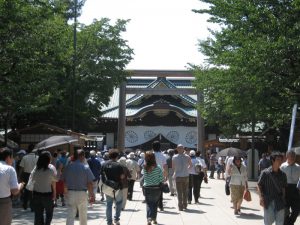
x=43, y=179
x=77, y=176
x=112, y=171
x=8, y=179
x=28, y=162
x=268, y=188
x=292, y=172
x=153, y=178
x=160, y=159
x=180, y=164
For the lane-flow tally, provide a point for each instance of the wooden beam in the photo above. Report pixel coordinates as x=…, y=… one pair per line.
x=161, y=73
x=162, y=91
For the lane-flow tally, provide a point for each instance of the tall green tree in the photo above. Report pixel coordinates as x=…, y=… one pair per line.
x=36, y=62
x=253, y=62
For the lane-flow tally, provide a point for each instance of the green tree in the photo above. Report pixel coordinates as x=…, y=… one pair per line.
x=36, y=55
x=253, y=62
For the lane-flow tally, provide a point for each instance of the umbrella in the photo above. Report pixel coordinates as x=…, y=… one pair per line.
x=231, y=152
x=55, y=141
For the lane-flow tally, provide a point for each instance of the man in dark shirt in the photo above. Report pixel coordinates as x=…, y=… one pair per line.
x=271, y=186
x=95, y=167
x=112, y=170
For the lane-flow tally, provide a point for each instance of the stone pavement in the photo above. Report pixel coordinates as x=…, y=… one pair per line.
x=214, y=208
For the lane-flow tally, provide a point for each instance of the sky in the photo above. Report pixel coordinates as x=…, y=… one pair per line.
x=163, y=33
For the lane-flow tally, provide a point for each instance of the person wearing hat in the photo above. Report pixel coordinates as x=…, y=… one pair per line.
x=181, y=164
x=194, y=178
x=134, y=169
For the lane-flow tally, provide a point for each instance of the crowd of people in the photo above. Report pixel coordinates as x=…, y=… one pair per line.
x=40, y=180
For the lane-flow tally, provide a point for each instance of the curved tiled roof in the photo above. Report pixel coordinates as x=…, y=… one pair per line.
x=112, y=109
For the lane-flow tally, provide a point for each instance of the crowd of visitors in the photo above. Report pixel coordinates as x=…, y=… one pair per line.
x=75, y=179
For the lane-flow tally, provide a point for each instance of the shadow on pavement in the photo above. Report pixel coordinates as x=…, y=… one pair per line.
x=194, y=211
x=250, y=216
x=257, y=210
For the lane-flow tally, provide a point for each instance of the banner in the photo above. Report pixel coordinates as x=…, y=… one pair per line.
x=137, y=135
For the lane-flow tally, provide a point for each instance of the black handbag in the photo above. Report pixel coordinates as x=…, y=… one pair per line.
x=227, y=189
x=164, y=187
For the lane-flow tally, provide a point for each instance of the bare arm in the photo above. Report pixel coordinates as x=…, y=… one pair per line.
x=16, y=191
x=261, y=196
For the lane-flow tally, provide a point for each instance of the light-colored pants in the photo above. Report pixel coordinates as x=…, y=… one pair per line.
x=171, y=181
x=77, y=200
x=125, y=192
x=271, y=215
x=182, y=186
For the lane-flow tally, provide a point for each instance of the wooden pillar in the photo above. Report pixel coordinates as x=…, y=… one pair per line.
x=122, y=117
x=200, y=128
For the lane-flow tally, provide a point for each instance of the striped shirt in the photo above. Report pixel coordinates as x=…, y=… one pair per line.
x=155, y=177
x=268, y=189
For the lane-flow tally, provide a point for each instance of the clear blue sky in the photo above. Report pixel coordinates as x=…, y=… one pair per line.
x=163, y=33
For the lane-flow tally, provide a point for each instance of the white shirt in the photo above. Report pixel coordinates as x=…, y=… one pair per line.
x=160, y=159
x=8, y=179
x=28, y=162
x=292, y=172
x=202, y=162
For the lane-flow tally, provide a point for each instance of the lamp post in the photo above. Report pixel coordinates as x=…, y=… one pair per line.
x=74, y=63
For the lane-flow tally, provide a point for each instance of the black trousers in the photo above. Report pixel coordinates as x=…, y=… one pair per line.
x=195, y=182
x=130, y=189
x=42, y=203
x=292, y=204
x=27, y=195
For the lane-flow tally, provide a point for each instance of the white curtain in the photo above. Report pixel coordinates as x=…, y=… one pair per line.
x=137, y=135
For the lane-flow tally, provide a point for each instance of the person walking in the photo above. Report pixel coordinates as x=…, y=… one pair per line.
x=112, y=170
x=263, y=163
x=124, y=181
x=8, y=185
x=271, y=187
x=134, y=169
x=181, y=164
x=27, y=164
x=43, y=180
x=95, y=167
x=78, y=179
x=171, y=172
x=162, y=162
x=194, y=178
x=153, y=177
x=238, y=183
x=212, y=165
x=203, y=173
x=292, y=171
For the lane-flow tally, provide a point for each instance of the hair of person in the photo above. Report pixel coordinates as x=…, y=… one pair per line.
x=275, y=155
x=198, y=153
x=30, y=148
x=80, y=153
x=43, y=160
x=113, y=153
x=54, y=154
x=4, y=153
x=63, y=153
x=235, y=158
x=149, y=160
x=156, y=146
x=291, y=153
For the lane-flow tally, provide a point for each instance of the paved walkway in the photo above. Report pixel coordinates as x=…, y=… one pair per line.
x=214, y=208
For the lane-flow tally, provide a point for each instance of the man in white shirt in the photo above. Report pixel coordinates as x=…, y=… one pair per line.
x=134, y=169
x=292, y=171
x=8, y=185
x=27, y=164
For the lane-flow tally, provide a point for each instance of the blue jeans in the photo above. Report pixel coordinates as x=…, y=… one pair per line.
x=109, y=202
x=152, y=195
x=271, y=215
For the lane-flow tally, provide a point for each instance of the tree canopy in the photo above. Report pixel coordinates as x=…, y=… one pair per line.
x=36, y=62
x=252, y=71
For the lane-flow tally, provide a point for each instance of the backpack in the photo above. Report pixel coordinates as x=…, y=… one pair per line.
x=198, y=168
